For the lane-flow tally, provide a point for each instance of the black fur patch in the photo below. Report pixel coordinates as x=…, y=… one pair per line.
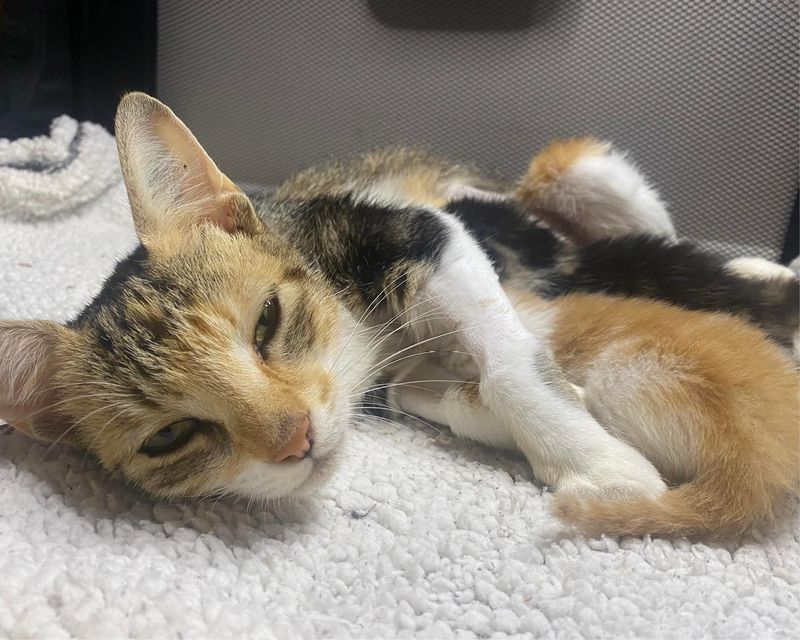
x=680, y=273
x=133, y=266
x=370, y=246
x=133, y=341
x=501, y=223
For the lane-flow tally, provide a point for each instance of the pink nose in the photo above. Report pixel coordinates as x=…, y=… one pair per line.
x=300, y=444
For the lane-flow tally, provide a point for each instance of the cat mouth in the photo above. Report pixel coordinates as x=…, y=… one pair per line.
x=323, y=467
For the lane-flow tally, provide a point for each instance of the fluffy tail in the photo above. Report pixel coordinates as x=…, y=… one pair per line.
x=735, y=491
x=587, y=191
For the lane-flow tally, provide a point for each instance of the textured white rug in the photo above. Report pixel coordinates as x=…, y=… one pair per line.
x=418, y=535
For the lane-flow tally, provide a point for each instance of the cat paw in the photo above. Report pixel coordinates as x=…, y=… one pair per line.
x=622, y=474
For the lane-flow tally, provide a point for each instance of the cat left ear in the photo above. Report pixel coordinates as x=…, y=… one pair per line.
x=172, y=183
x=29, y=398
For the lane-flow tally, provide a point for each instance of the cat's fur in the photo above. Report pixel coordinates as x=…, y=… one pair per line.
x=402, y=266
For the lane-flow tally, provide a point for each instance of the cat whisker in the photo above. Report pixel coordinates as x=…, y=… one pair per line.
x=375, y=302
x=73, y=426
x=416, y=344
x=54, y=405
x=336, y=294
x=415, y=355
x=99, y=433
x=222, y=493
x=385, y=336
x=395, y=409
x=404, y=383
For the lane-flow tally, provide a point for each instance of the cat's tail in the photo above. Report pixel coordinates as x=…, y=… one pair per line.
x=736, y=489
x=588, y=191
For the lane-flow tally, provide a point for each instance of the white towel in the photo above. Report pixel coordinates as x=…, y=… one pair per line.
x=46, y=175
x=418, y=535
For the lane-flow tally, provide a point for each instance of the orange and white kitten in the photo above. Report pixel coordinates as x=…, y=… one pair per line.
x=229, y=352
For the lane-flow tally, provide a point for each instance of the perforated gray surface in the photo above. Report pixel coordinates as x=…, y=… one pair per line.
x=703, y=94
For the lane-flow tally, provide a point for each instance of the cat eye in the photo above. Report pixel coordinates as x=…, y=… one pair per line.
x=267, y=324
x=170, y=438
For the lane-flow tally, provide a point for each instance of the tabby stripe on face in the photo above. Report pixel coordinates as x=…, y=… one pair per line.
x=299, y=330
x=177, y=470
x=133, y=266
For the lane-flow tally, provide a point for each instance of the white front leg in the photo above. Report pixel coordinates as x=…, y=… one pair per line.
x=522, y=386
x=449, y=400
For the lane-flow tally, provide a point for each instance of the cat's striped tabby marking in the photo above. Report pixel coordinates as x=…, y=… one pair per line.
x=229, y=352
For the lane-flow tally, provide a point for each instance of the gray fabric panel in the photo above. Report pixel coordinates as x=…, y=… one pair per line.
x=703, y=94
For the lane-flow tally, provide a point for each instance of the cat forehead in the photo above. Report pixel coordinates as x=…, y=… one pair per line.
x=153, y=308
x=179, y=278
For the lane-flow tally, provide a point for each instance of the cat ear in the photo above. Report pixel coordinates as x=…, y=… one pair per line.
x=28, y=361
x=172, y=183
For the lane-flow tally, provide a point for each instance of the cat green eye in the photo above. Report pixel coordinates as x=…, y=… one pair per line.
x=170, y=438
x=267, y=324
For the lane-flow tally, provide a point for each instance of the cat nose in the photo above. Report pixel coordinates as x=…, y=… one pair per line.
x=300, y=444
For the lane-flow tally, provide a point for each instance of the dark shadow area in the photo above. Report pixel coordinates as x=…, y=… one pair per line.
x=72, y=56
x=465, y=15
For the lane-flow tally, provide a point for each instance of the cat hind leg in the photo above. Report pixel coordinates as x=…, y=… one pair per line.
x=588, y=191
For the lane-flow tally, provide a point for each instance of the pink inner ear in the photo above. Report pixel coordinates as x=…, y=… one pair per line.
x=201, y=181
x=227, y=222
x=27, y=366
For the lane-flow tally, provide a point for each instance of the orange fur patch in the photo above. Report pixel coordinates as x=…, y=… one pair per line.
x=721, y=382
x=424, y=188
x=546, y=171
x=551, y=163
x=471, y=394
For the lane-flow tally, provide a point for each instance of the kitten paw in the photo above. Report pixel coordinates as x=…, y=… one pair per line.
x=623, y=474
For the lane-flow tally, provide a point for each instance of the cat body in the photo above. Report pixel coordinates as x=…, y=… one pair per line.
x=231, y=350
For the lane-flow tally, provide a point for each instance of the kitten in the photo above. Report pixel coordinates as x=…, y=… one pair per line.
x=229, y=352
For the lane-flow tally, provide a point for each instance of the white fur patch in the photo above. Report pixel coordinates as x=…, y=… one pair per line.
x=271, y=480
x=627, y=395
x=606, y=196
x=460, y=191
x=759, y=269
x=566, y=447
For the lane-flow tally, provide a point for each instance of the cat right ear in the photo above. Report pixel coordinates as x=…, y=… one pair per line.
x=29, y=399
x=171, y=181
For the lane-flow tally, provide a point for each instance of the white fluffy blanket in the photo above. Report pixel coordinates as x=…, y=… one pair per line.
x=418, y=535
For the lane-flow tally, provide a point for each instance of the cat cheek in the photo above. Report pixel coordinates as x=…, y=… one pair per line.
x=268, y=480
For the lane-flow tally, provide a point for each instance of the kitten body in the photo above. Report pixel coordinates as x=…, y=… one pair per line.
x=229, y=352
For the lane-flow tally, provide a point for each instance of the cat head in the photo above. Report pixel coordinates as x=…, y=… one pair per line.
x=215, y=359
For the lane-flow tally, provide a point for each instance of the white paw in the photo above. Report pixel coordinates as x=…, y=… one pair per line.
x=621, y=473
x=759, y=269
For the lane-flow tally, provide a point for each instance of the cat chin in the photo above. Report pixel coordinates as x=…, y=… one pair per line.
x=273, y=481
x=322, y=472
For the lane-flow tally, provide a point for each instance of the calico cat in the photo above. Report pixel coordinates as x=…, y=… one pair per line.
x=231, y=349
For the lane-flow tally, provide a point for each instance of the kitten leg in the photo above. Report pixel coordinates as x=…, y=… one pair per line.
x=444, y=396
x=521, y=384
x=588, y=191
x=760, y=269
x=448, y=401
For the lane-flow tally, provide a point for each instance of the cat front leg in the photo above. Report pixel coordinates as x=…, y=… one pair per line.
x=521, y=385
x=436, y=394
